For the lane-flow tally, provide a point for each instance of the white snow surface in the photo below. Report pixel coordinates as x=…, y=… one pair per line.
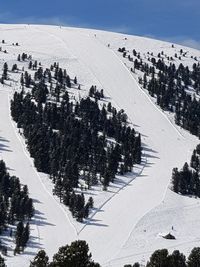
x=128, y=220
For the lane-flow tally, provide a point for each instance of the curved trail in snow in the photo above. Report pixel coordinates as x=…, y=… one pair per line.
x=149, y=189
x=144, y=158
x=109, y=229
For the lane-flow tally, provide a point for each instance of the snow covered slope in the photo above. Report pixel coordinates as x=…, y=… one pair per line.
x=126, y=228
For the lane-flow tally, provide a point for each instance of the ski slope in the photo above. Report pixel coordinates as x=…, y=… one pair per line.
x=127, y=226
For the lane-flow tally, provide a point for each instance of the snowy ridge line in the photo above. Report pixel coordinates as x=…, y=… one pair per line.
x=59, y=39
x=114, y=194
x=148, y=97
x=32, y=166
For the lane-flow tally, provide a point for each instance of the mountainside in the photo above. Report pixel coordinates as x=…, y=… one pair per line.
x=128, y=220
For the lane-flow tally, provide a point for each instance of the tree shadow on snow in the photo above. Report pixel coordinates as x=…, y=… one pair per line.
x=39, y=220
x=3, y=146
x=149, y=152
x=95, y=222
x=36, y=201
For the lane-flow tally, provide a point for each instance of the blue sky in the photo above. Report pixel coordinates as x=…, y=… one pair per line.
x=174, y=20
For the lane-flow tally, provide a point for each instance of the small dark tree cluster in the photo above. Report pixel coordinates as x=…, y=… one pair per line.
x=23, y=57
x=14, y=68
x=74, y=255
x=77, y=206
x=93, y=92
x=5, y=73
x=26, y=80
x=187, y=180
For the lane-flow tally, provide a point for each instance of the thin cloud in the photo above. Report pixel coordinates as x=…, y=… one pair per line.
x=191, y=43
x=186, y=41
x=53, y=20
x=120, y=29
x=181, y=40
x=48, y=20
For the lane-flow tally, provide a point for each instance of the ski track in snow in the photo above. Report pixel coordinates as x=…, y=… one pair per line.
x=90, y=65
x=111, y=233
x=117, y=104
x=144, y=158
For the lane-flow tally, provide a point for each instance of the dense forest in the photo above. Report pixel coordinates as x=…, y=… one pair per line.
x=175, y=88
x=16, y=208
x=79, y=143
x=162, y=258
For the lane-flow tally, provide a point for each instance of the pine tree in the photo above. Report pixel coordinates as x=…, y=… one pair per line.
x=75, y=255
x=159, y=259
x=40, y=260
x=177, y=259
x=18, y=236
x=5, y=71
x=194, y=258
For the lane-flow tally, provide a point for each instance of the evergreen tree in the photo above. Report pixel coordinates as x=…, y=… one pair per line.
x=77, y=254
x=40, y=260
x=177, y=259
x=159, y=259
x=194, y=258
x=5, y=71
x=18, y=236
